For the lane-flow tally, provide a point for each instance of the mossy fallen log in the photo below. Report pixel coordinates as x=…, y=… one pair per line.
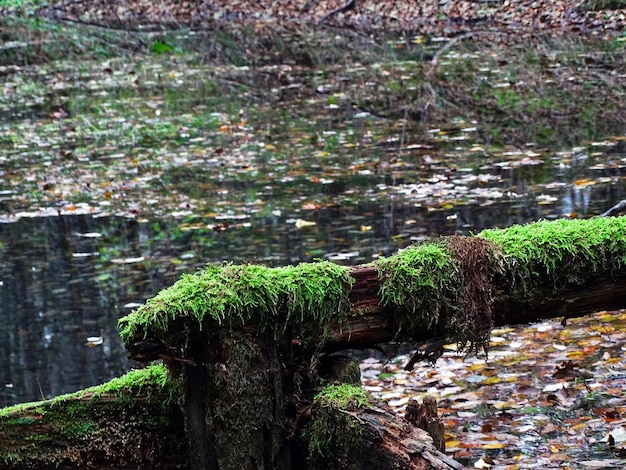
x=249, y=340
x=130, y=422
x=456, y=287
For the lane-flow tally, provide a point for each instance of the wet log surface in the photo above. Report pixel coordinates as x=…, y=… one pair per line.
x=94, y=432
x=391, y=442
x=373, y=326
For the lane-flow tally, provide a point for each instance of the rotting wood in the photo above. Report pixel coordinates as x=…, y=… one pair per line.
x=600, y=292
x=130, y=422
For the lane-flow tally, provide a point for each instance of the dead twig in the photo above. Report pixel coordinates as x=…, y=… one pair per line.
x=350, y=5
x=616, y=209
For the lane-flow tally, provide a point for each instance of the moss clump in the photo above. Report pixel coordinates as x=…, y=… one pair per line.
x=344, y=396
x=448, y=286
x=152, y=382
x=427, y=286
x=335, y=437
x=420, y=282
x=232, y=295
x=545, y=256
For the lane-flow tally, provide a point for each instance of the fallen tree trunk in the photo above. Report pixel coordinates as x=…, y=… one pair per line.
x=456, y=287
x=134, y=422
x=131, y=422
x=597, y=292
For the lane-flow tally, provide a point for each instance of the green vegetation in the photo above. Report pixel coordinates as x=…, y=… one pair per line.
x=150, y=382
x=420, y=282
x=448, y=285
x=232, y=295
x=335, y=436
x=444, y=286
x=548, y=255
x=345, y=396
x=120, y=419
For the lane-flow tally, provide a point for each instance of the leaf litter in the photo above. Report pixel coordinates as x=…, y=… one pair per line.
x=547, y=395
x=127, y=132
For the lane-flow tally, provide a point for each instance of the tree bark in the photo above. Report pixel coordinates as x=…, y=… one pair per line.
x=86, y=431
x=373, y=326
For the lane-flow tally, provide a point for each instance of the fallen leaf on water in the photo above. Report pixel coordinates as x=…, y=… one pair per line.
x=94, y=341
x=300, y=223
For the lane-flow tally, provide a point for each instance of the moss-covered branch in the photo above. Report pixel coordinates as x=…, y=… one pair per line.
x=231, y=296
x=459, y=287
x=130, y=422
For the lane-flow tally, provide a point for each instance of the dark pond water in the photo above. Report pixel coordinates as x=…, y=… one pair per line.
x=118, y=175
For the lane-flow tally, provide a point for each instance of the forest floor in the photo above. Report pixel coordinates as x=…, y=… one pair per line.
x=425, y=17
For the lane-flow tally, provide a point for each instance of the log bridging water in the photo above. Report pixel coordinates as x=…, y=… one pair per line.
x=456, y=287
x=253, y=347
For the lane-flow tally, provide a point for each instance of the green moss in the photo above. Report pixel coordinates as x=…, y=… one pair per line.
x=548, y=255
x=93, y=424
x=21, y=421
x=335, y=435
x=344, y=396
x=420, y=282
x=232, y=295
x=150, y=381
x=243, y=397
x=448, y=285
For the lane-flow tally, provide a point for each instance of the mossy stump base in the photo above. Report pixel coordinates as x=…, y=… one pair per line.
x=247, y=407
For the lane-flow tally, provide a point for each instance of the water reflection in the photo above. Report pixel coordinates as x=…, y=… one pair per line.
x=64, y=279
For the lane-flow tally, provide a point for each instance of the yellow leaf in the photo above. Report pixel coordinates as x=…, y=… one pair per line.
x=494, y=445
x=304, y=223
